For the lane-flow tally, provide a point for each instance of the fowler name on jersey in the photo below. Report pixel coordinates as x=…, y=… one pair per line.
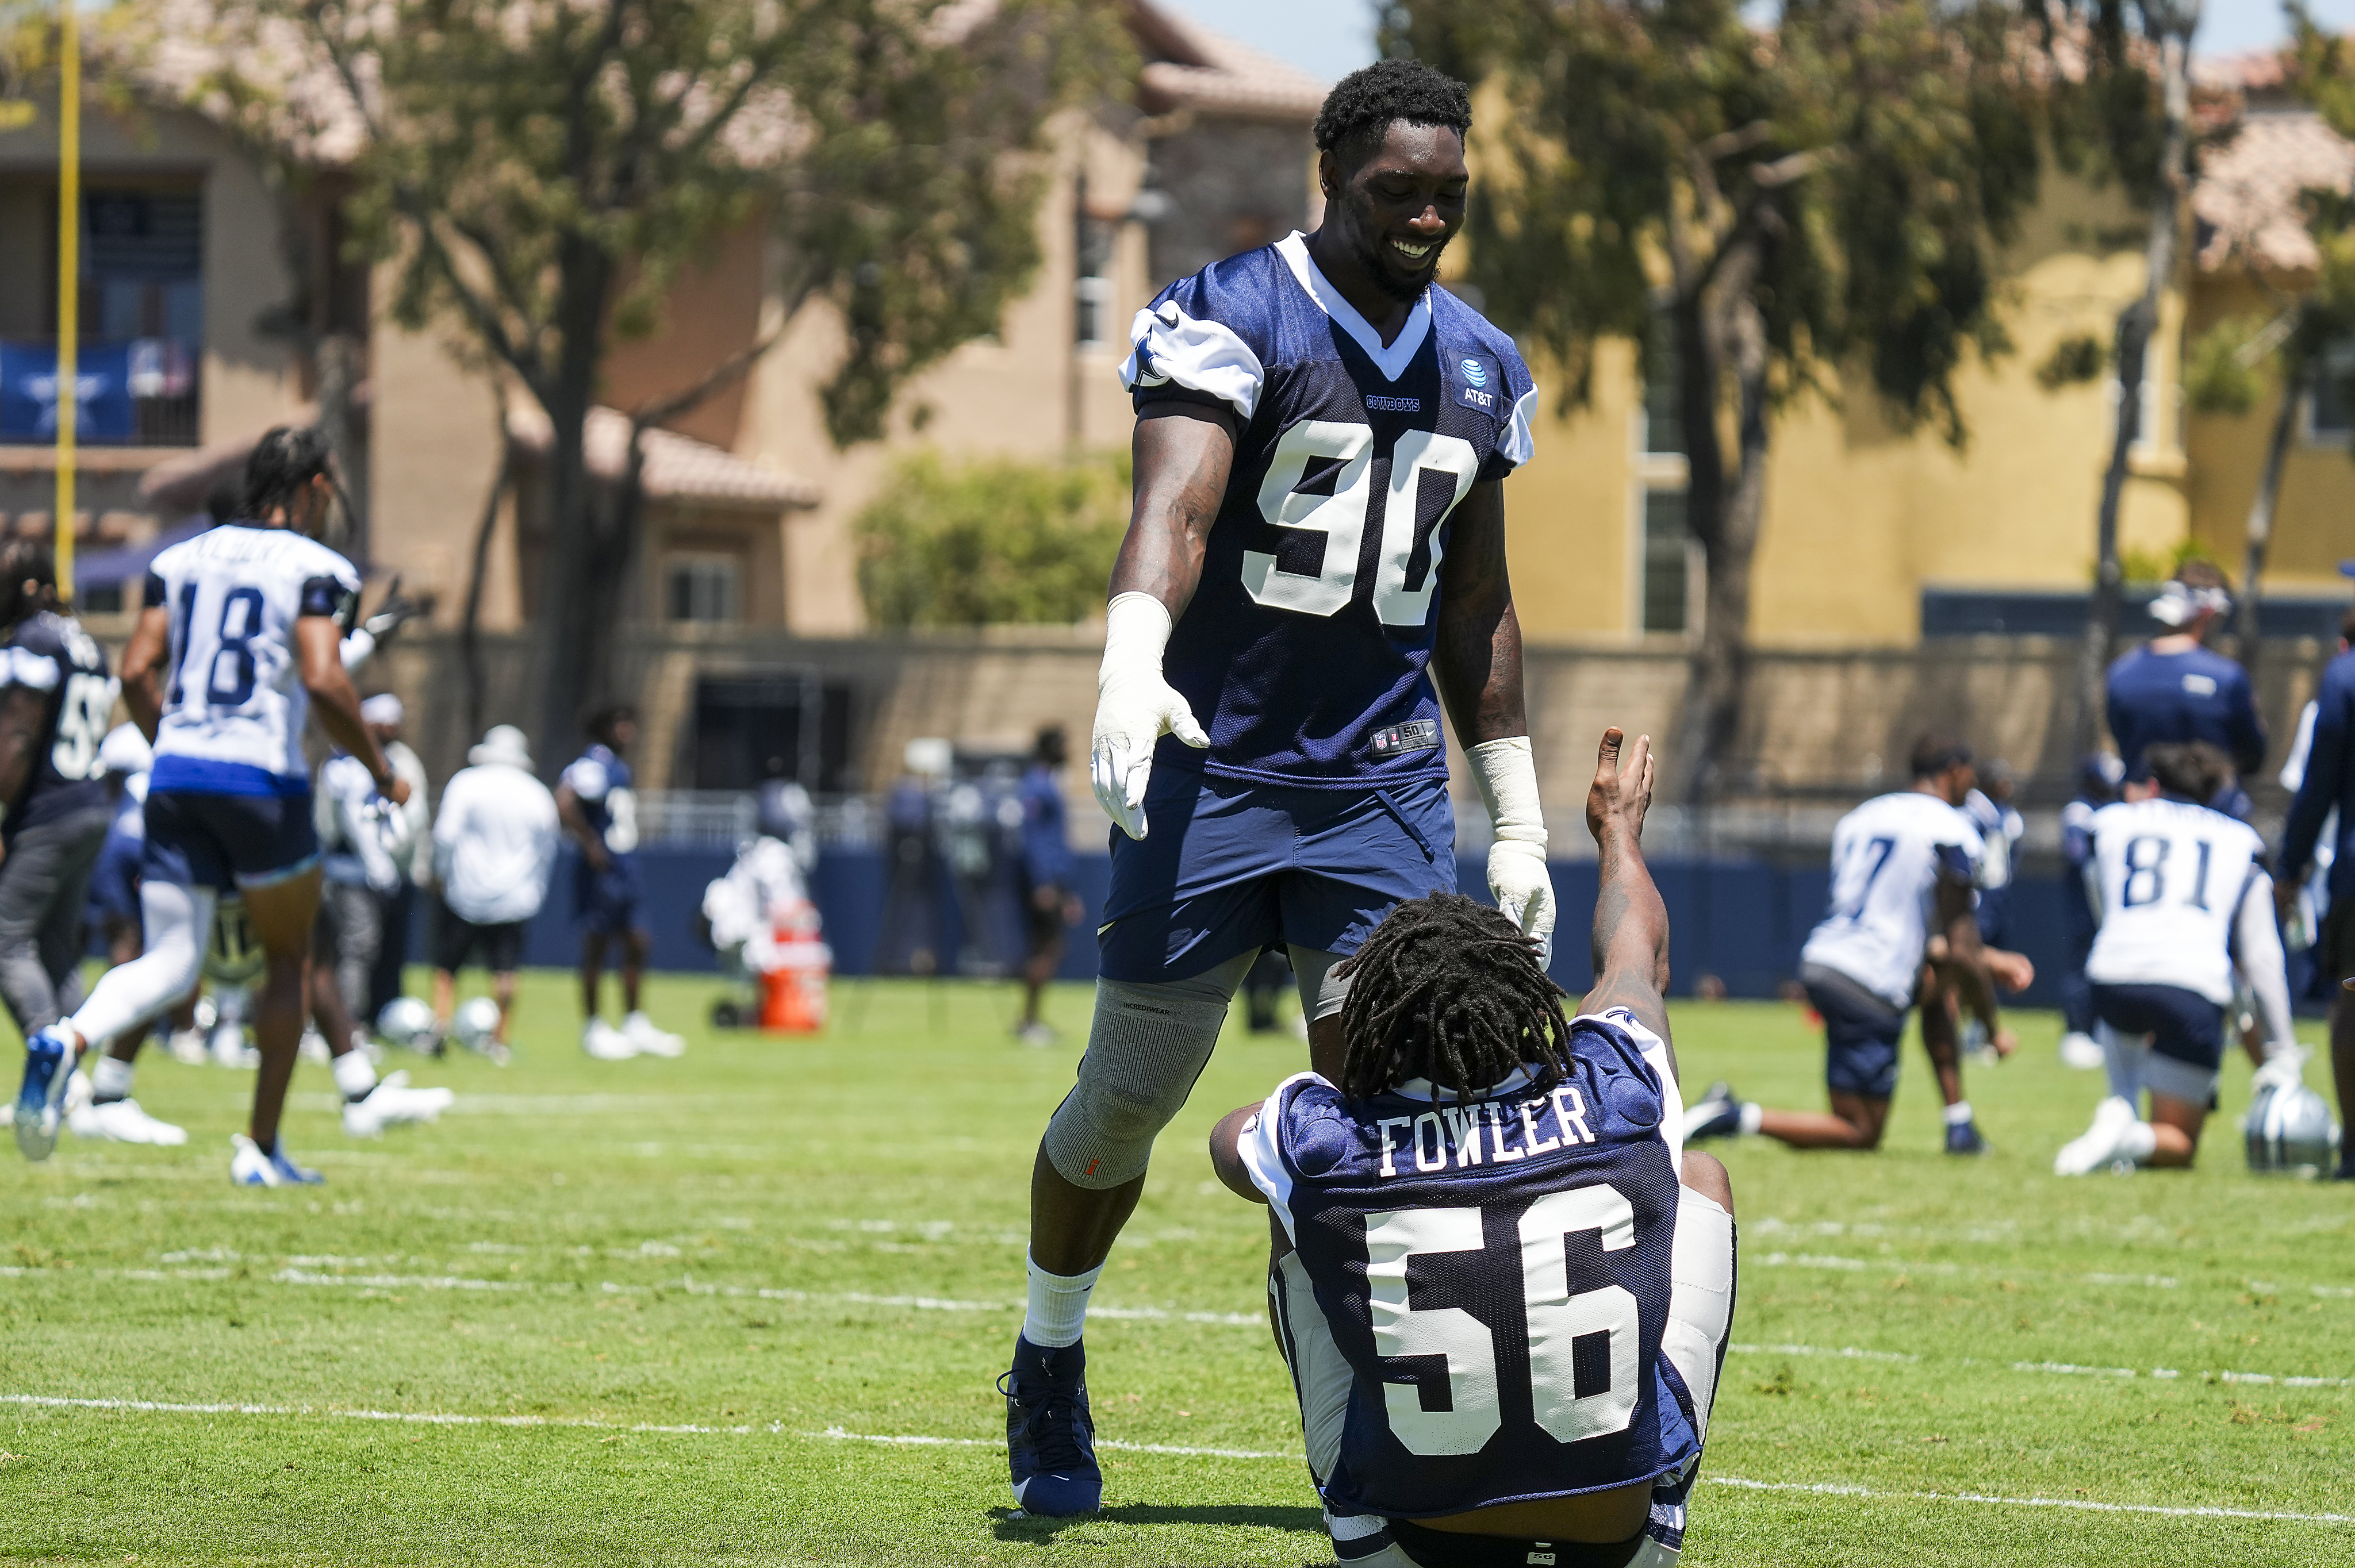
x=1496, y=1273
x=233, y=704
x=1303, y=649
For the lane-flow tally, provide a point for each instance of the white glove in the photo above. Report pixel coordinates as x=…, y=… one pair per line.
x=1134, y=708
x=1506, y=772
x=2284, y=1066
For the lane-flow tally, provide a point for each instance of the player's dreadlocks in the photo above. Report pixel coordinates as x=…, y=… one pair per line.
x=1449, y=989
x=1362, y=104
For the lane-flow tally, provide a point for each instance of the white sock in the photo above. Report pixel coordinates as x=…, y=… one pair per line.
x=2139, y=1140
x=1752, y=1113
x=353, y=1075
x=178, y=921
x=1058, y=1306
x=1959, y=1113
x=109, y=1080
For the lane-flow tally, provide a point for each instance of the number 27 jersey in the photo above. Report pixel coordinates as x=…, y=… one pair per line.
x=1303, y=649
x=234, y=704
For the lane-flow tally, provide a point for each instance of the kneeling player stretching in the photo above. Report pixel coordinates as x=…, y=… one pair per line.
x=2182, y=894
x=1502, y=1287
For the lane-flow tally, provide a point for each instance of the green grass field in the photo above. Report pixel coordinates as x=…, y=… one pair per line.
x=747, y=1308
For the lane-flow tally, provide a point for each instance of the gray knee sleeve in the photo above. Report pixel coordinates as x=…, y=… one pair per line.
x=1321, y=992
x=1147, y=1045
x=1701, y=1299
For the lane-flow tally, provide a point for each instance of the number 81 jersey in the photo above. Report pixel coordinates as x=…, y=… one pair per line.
x=2170, y=877
x=234, y=704
x=1303, y=651
x=51, y=654
x=1496, y=1274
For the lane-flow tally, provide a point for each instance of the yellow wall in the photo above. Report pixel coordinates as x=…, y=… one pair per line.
x=2314, y=528
x=1862, y=515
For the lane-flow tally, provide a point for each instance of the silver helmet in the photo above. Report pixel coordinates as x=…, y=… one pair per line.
x=2289, y=1130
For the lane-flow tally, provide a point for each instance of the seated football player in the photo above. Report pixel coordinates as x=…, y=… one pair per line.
x=1501, y=1286
x=2183, y=897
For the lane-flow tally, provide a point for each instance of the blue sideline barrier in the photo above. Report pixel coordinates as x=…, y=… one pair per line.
x=1741, y=920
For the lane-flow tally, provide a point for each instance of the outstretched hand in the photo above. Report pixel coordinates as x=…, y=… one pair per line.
x=1622, y=790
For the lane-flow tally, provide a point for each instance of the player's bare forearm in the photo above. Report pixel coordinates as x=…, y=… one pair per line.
x=1964, y=962
x=1226, y=1153
x=1476, y=655
x=319, y=651
x=21, y=713
x=1183, y=453
x=143, y=668
x=1631, y=922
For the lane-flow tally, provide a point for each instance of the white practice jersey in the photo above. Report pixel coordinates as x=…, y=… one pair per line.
x=2172, y=879
x=1889, y=855
x=234, y=703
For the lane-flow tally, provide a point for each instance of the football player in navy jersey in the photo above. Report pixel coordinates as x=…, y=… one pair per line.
x=1315, y=556
x=1502, y=1286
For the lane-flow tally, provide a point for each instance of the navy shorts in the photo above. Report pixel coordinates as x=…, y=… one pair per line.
x=2183, y=1023
x=1226, y=868
x=605, y=903
x=1860, y=1033
x=227, y=842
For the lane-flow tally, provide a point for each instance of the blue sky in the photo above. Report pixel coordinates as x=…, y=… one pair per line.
x=1330, y=38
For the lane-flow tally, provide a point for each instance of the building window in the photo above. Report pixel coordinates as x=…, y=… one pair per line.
x=2329, y=408
x=1664, y=423
x=703, y=588
x=1668, y=564
x=1091, y=244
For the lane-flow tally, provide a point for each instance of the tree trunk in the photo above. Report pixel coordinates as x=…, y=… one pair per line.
x=2137, y=325
x=2245, y=628
x=341, y=358
x=469, y=627
x=1721, y=663
x=577, y=634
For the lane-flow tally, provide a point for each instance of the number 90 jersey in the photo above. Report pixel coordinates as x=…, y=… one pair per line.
x=1303, y=651
x=51, y=654
x=234, y=702
x=2170, y=878
x=1495, y=1272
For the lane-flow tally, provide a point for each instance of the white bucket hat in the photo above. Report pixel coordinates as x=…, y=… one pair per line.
x=502, y=746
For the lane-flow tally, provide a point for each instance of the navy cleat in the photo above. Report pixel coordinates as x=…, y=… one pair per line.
x=1050, y=1443
x=49, y=1064
x=1716, y=1114
x=1964, y=1138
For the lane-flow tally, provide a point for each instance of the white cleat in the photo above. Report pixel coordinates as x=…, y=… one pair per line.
x=188, y=1047
x=2103, y=1144
x=392, y=1103
x=604, y=1043
x=2082, y=1052
x=314, y=1047
x=123, y=1121
x=248, y=1164
x=651, y=1041
x=228, y=1047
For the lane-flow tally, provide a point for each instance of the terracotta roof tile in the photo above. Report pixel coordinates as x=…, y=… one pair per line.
x=2248, y=190
x=1203, y=70
x=677, y=467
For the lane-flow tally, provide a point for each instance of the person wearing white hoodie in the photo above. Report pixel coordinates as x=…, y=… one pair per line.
x=494, y=843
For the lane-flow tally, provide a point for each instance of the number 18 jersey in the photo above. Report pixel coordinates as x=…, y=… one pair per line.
x=51, y=654
x=234, y=702
x=1496, y=1273
x=1302, y=650
x=2171, y=876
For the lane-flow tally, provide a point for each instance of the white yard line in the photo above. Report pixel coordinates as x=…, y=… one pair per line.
x=2086, y=1505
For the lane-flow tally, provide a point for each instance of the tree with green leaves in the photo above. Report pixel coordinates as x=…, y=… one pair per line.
x=2229, y=367
x=1811, y=210
x=2119, y=106
x=540, y=172
x=991, y=542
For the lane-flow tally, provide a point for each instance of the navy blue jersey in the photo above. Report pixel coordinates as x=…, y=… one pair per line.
x=51, y=654
x=2193, y=695
x=1302, y=650
x=600, y=782
x=1497, y=1275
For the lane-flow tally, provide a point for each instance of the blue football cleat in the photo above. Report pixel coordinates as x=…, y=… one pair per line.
x=1717, y=1114
x=250, y=1165
x=1050, y=1443
x=49, y=1063
x=1964, y=1137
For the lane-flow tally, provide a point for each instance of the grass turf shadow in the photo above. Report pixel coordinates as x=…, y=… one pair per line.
x=1011, y=1524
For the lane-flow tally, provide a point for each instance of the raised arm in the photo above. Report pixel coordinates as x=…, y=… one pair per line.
x=1631, y=923
x=1183, y=452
